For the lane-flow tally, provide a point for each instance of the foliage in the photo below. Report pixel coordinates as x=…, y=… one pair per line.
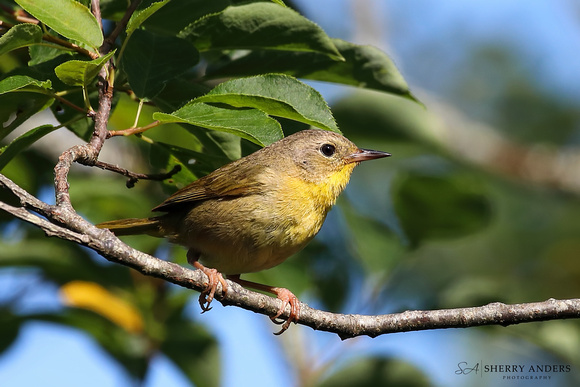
x=213, y=81
x=160, y=64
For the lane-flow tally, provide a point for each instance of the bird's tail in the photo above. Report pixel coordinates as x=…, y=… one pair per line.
x=134, y=226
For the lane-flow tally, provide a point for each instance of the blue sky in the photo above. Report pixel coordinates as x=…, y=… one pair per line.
x=546, y=34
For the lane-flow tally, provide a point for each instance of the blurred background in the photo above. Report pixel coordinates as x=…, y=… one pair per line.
x=479, y=203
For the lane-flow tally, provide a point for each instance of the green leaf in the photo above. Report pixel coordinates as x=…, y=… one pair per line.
x=448, y=205
x=43, y=61
x=41, y=54
x=178, y=14
x=16, y=82
x=258, y=26
x=150, y=61
x=15, y=108
x=166, y=156
x=177, y=92
x=219, y=143
x=251, y=124
x=81, y=73
x=104, y=198
x=194, y=164
x=277, y=95
x=69, y=18
x=21, y=35
x=364, y=66
x=141, y=15
x=223, y=147
x=24, y=141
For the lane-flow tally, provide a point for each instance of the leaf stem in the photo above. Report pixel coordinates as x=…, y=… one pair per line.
x=138, y=113
x=133, y=130
x=90, y=109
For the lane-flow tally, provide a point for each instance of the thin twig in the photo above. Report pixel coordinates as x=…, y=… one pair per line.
x=135, y=177
x=120, y=27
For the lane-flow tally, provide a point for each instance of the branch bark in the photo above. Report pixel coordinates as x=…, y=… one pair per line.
x=77, y=230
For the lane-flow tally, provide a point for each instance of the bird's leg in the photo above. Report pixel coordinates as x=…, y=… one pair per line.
x=287, y=297
x=213, y=276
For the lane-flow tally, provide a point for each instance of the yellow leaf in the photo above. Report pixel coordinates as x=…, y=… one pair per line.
x=94, y=297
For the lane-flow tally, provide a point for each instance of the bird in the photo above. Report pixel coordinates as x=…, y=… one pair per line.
x=253, y=213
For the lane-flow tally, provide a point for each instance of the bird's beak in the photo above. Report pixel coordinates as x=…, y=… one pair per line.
x=365, y=154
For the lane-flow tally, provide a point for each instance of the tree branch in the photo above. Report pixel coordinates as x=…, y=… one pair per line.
x=77, y=230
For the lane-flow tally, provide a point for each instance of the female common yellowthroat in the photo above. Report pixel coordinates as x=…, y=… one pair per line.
x=255, y=212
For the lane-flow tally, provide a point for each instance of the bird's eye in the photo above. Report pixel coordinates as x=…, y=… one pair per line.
x=327, y=150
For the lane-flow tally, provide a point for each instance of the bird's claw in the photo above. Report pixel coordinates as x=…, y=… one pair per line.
x=207, y=295
x=288, y=298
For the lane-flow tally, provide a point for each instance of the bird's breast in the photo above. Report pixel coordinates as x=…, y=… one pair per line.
x=259, y=231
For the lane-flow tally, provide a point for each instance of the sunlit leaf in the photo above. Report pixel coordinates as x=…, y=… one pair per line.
x=277, y=95
x=81, y=73
x=139, y=16
x=67, y=17
x=257, y=26
x=251, y=124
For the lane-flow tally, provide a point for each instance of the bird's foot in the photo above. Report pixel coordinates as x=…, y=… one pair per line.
x=214, y=277
x=288, y=298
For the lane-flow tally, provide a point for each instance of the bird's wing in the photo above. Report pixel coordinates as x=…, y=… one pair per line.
x=232, y=180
